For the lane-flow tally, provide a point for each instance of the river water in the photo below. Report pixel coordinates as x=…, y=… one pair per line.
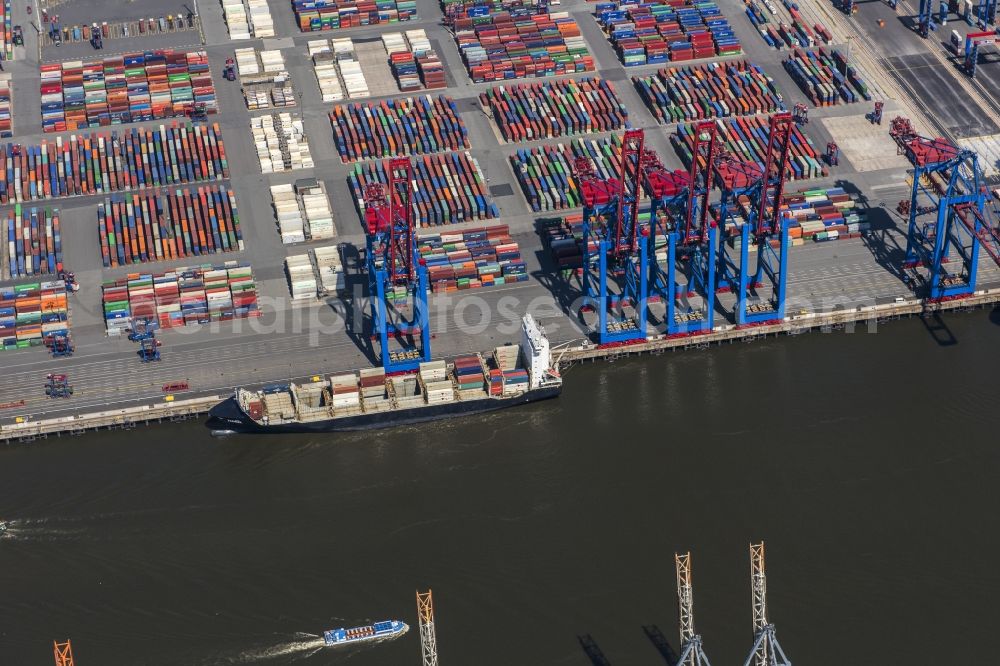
x=867, y=462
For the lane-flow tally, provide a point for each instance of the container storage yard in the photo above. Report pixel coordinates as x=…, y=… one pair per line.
x=747, y=139
x=303, y=211
x=716, y=90
x=246, y=19
x=668, y=31
x=825, y=77
x=338, y=71
x=281, y=142
x=313, y=15
x=514, y=40
x=447, y=189
x=546, y=173
x=184, y=296
x=99, y=163
x=31, y=314
x=126, y=88
x=6, y=108
x=471, y=259
x=264, y=80
x=408, y=126
x=176, y=224
x=545, y=110
x=34, y=241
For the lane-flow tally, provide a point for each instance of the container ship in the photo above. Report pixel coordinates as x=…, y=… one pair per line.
x=370, y=632
x=369, y=399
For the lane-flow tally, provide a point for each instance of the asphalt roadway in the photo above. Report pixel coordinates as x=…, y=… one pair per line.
x=293, y=340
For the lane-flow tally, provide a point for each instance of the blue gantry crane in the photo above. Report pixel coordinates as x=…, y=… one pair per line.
x=947, y=213
x=679, y=219
x=397, y=279
x=753, y=192
x=615, y=256
x=974, y=41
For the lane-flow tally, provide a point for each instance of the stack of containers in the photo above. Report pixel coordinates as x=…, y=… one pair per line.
x=564, y=238
x=527, y=112
x=351, y=73
x=471, y=259
x=126, y=88
x=746, y=139
x=506, y=39
x=6, y=31
x=325, y=66
x=823, y=215
x=514, y=379
x=34, y=241
x=196, y=295
x=546, y=172
x=237, y=21
x=247, y=64
x=374, y=396
x=316, y=206
x=301, y=276
x=447, y=188
x=668, y=30
x=291, y=226
x=261, y=23
x=101, y=163
x=469, y=375
x=735, y=88
x=402, y=61
x=429, y=66
x=409, y=126
x=825, y=77
x=345, y=398
x=331, y=271
x=32, y=314
x=281, y=143
x=6, y=108
x=405, y=391
x=434, y=379
x=313, y=15
x=137, y=228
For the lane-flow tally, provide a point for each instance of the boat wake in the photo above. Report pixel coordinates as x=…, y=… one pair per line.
x=302, y=646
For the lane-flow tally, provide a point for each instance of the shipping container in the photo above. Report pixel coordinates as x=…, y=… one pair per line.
x=395, y=127
x=526, y=112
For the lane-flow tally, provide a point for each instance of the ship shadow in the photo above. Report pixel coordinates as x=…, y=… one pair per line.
x=592, y=650
x=661, y=643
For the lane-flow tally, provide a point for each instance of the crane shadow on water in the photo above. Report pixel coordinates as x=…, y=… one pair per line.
x=938, y=329
x=593, y=650
x=661, y=643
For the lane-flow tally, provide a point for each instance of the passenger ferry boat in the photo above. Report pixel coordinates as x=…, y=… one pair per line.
x=369, y=399
x=367, y=633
